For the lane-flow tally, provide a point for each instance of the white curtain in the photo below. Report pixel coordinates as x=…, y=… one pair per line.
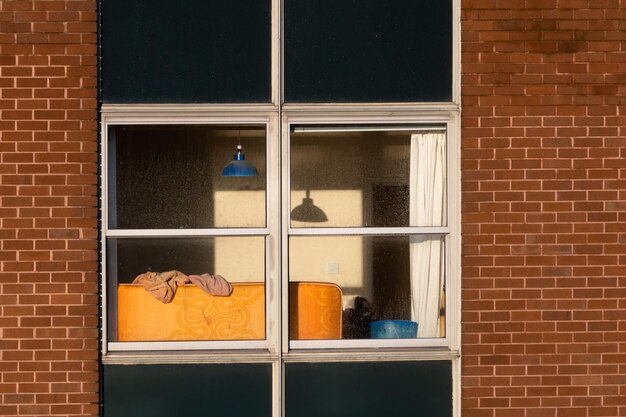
x=427, y=208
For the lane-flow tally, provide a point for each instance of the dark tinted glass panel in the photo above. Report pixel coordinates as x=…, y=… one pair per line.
x=170, y=177
x=189, y=51
x=368, y=50
x=369, y=389
x=195, y=390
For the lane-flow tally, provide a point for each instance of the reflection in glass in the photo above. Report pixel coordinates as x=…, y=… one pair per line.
x=355, y=280
x=369, y=178
x=367, y=51
x=182, y=390
x=369, y=389
x=138, y=315
x=169, y=177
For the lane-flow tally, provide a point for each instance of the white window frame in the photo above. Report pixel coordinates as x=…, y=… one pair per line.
x=113, y=116
x=351, y=120
x=274, y=350
x=277, y=244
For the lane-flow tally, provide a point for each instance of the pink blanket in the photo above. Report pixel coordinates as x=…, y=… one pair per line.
x=163, y=285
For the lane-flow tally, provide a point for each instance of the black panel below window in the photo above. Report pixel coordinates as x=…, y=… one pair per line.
x=368, y=50
x=369, y=389
x=189, y=390
x=188, y=51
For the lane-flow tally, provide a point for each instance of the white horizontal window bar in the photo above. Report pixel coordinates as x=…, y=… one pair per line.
x=187, y=232
x=184, y=111
x=370, y=355
x=378, y=128
x=389, y=110
x=350, y=231
x=187, y=345
x=367, y=343
x=177, y=357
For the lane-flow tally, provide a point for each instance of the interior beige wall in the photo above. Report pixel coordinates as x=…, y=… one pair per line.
x=345, y=203
x=240, y=202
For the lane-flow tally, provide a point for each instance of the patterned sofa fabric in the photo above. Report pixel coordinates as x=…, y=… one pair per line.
x=315, y=313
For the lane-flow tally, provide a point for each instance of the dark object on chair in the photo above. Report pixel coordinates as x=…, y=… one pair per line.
x=356, y=320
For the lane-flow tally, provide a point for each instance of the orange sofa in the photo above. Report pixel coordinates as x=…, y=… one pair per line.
x=315, y=313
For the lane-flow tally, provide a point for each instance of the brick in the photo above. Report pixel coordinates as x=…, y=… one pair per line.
x=32, y=108
x=562, y=68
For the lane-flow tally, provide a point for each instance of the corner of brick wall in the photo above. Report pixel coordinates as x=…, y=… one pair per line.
x=48, y=208
x=544, y=208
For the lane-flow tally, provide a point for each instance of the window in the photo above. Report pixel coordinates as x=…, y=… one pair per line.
x=365, y=229
x=340, y=256
x=170, y=209
x=368, y=215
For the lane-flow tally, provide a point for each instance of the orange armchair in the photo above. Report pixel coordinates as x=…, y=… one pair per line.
x=315, y=313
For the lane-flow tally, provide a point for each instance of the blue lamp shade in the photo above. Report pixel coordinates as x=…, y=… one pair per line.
x=239, y=167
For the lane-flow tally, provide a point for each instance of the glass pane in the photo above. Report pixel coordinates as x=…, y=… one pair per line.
x=368, y=51
x=187, y=305
x=216, y=51
x=369, y=389
x=368, y=178
x=366, y=287
x=188, y=390
x=170, y=177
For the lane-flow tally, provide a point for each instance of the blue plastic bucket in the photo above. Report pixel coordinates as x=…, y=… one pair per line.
x=393, y=329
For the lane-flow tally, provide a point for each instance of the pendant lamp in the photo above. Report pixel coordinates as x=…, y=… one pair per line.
x=308, y=212
x=239, y=167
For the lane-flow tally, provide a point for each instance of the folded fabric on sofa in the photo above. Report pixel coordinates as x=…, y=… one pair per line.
x=163, y=285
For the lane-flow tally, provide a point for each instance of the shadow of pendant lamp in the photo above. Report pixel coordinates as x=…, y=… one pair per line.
x=239, y=167
x=308, y=212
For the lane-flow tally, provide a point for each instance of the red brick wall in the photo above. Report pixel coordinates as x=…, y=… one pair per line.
x=544, y=208
x=48, y=208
